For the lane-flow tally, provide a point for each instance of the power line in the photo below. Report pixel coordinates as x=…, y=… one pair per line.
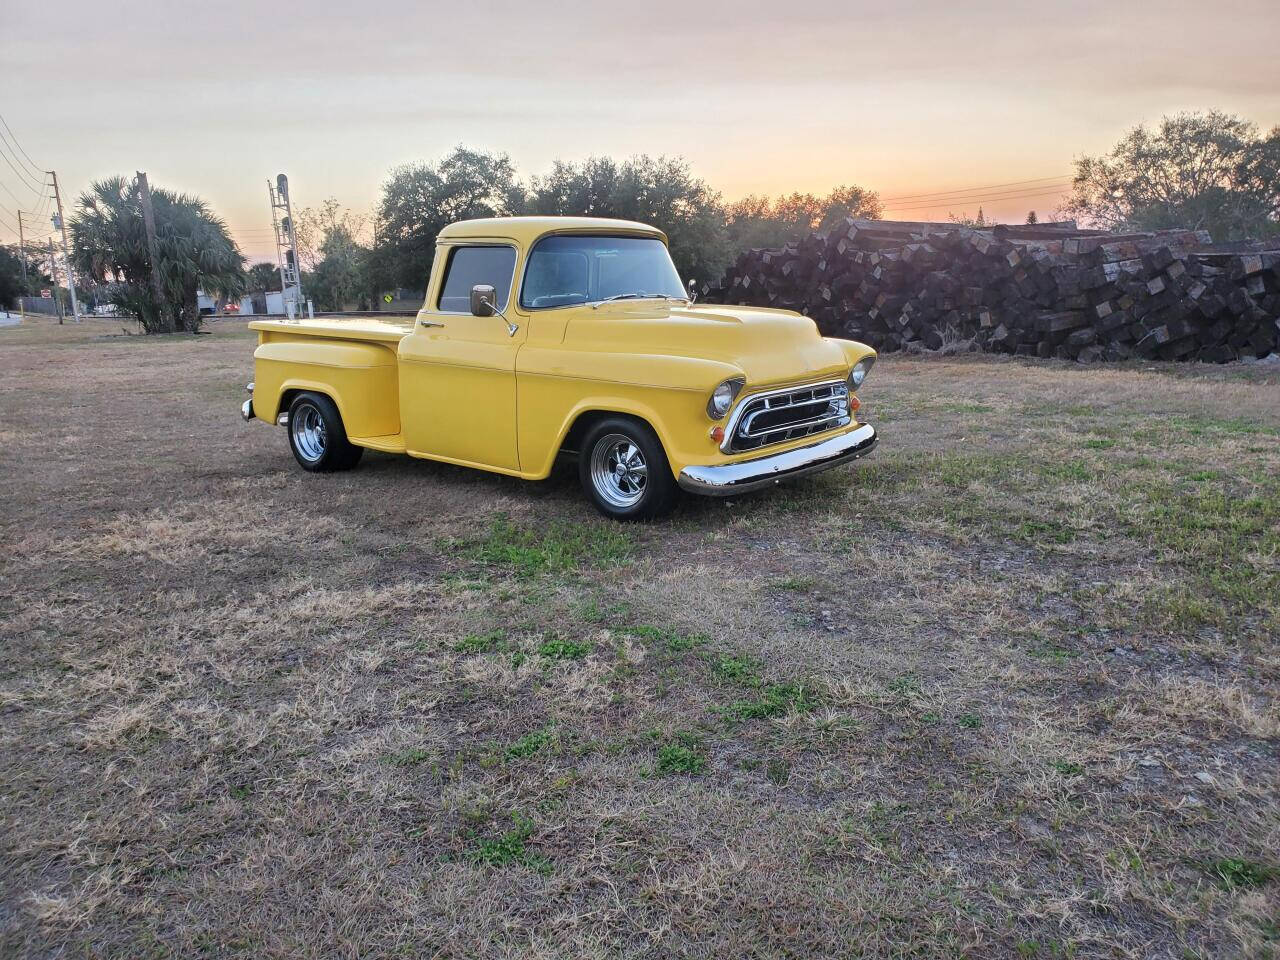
x=10, y=193
x=980, y=197
x=31, y=163
x=990, y=186
x=935, y=205
x=22, y=175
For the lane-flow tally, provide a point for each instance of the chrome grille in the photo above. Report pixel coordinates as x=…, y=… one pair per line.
x=782, y=415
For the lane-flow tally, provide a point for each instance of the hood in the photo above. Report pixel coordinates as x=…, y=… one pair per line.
x=769, y=346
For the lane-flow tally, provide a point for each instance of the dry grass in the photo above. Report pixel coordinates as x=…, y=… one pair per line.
x=1008, y=688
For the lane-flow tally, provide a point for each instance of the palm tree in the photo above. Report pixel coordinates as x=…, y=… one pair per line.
x=195, y=252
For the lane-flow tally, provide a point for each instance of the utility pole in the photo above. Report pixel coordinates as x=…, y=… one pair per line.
x=153, y=251
x=22, y=254
x=66, y=252
x=22, y=250
x=53, y=273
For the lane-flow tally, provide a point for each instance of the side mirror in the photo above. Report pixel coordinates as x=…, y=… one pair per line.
x=692, y=287
x=484, y=300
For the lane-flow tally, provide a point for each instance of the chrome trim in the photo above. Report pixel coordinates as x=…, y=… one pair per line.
x=246, y=410
x=249, y=387
x=843, y=420
x=730, y=479
x=309, y=433
x=731, y=428
x=618, y=471
x=282, y=420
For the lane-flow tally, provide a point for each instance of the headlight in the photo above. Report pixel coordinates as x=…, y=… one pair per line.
x=722, y=398
x=860, y=371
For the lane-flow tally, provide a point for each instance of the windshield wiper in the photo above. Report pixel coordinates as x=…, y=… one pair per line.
x=641, y=295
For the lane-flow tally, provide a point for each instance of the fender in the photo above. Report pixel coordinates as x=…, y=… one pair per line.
x=360, y=378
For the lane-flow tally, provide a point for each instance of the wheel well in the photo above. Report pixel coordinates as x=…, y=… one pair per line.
x=288, y=396
x=572, y=442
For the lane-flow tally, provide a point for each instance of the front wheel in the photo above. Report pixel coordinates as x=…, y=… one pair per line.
x=624, y=470
x=317, y=436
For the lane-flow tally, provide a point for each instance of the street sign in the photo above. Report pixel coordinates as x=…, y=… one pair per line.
x=387, y=297
x=47, y=293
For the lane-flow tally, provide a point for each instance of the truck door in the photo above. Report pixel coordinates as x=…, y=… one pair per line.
x=458, y=371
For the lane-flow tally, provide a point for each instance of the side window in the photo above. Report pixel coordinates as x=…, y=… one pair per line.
x=468, y=266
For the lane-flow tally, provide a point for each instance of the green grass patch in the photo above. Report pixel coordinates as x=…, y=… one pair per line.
x=1068, y=768
x=970, y=721
x=410, y=757
x=675, y=642
x=797, y=584
x=482, y=642
x=530, y=743
x=739, y=670
x=1044, y=531
x=681, y=756
x=1225, y=541
x=509, y=849
x=1049, y=651
x=562, y=648
x=554, y=548
x=1235, y=872
x=773, y=701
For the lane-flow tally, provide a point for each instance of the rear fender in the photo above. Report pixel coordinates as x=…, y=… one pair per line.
x=360, y=378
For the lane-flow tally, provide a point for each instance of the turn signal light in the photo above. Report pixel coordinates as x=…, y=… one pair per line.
x=717, y=434
x=854, y=403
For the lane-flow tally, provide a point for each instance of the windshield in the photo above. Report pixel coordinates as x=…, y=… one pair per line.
x=564, y=270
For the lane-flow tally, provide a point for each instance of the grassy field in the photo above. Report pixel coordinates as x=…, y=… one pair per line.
x=1009, y=687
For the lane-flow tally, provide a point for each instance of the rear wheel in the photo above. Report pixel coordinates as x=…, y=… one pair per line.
x=624, y=470
x=317, y=437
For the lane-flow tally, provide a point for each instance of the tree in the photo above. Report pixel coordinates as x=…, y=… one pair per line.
x=312, y=227
x=759, y=222
x=11, y=287
x=1209, y=171
x=978, y=222
x=196, y=253
x=661, y=191
x=1032, y=218
x=341, y=276
x=420, y=199
x=336, y=262
x=262, y=276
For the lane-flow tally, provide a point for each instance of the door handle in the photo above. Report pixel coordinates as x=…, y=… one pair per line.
x=429, y=323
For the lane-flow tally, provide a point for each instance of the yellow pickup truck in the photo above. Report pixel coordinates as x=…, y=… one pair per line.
x=549, y=336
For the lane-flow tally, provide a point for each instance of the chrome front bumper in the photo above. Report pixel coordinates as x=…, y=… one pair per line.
x=729, y=479
x=246, y=410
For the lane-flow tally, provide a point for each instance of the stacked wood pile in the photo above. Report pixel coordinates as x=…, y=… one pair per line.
x=1047, y=290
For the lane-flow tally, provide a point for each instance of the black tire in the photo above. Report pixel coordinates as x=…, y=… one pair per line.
x=643, y=488
x=317, y=437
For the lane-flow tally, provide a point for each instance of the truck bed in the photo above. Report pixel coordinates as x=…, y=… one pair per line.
x=369, y=328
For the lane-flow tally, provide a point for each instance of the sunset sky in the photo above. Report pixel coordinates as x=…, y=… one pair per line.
x=907, y=98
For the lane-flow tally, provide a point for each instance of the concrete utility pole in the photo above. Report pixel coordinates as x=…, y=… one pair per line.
x=153, y=251
x=66, y=252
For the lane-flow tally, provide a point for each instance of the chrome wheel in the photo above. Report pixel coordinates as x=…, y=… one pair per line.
x=619, y=472
x=309, y=436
